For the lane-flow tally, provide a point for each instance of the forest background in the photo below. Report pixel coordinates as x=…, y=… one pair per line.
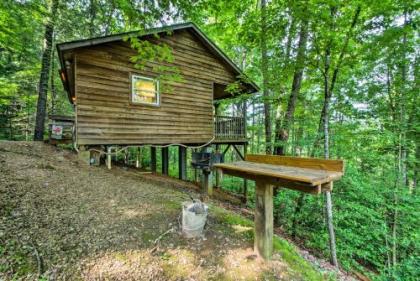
x=338, y=79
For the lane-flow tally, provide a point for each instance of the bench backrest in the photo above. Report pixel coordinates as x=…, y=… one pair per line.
x=310, y=163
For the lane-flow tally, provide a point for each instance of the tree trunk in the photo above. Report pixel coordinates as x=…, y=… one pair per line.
x=328, y=199
x=394, y=228
x=330, y=225
x=53, y=89
x=253, y=128
x=328, y=90
x=282, y=131
x=403, y=119
x=45, y=71
x=259, y=132
x=92, y=16
x=416, y=167
x=264, y=72
x=329, y=86
x=298, y=208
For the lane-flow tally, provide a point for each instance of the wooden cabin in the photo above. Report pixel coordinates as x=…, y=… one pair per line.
x=116, y=103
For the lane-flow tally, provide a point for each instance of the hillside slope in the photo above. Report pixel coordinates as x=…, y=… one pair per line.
x=60, y=218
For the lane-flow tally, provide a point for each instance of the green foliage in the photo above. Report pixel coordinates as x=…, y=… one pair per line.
x=19, y=260
x=374, y=120
x=148, y=53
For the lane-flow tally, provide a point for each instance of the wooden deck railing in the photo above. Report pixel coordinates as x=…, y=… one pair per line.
x=229, y=128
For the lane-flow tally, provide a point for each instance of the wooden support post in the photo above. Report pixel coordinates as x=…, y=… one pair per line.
x=263, y=241
x=126, y=157
x=108, y=157
x=207, y=182
x=219, y=175
x=245, y=191
x=114, y=156
x=153, y=159
x=196, y=171
x=165, y=160
x=138, y=158
x=245, y=187
x=195, y=175
x=182, y=163
x=226, y=149
x=239, y=153
x=219, y=178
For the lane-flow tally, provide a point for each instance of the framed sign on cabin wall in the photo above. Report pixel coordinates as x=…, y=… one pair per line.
x=144, y=90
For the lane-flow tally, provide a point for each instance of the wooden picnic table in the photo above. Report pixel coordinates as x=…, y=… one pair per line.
x=308, y=175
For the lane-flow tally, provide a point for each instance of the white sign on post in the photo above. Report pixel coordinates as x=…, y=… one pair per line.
x=57, y=132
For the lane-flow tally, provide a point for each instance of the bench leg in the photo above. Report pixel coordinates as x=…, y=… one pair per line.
x=263, y=241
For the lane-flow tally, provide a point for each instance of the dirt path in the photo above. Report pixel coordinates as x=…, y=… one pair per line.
x=61, y=219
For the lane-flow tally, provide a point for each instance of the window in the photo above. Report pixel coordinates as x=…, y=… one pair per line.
x=144, y=90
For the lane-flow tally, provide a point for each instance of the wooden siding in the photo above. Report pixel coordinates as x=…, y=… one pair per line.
x=185, y=115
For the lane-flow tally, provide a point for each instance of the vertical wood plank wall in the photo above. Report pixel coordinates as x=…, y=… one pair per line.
x=105, y=114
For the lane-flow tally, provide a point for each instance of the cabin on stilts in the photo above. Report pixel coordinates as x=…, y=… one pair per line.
x=171, y=100
x=119, y=102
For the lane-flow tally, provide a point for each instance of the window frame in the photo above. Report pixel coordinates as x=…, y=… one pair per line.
x=134, y=76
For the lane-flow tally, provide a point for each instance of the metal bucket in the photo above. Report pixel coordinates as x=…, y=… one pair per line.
x=194, y=217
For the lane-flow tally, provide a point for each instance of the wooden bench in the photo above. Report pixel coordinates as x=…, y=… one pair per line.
x=309, y=175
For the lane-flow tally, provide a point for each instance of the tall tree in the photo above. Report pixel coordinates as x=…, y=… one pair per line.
x=45, y=71
x=264, y=74
x=329, y=82
x=282, y=128
x=92, y=17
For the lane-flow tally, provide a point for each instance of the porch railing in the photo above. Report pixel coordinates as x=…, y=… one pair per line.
x=229, y=128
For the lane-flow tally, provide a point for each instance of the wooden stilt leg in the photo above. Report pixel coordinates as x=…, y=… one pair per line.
x=207, y=182
x=165, y=160
x=263, y=241
x=219, y=174
x=138, y=158
x=153, y=159
x=195, y=175
x=126, y=157
x=196, y=172
x=182, y=163
x=108, y=157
